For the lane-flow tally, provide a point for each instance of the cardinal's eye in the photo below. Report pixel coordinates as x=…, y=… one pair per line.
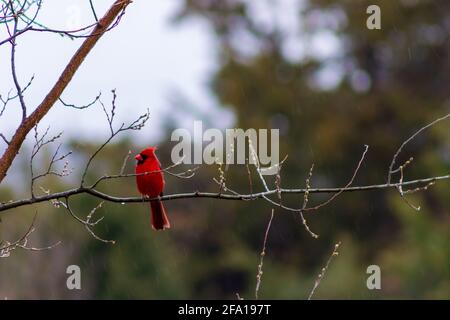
x=144, y=157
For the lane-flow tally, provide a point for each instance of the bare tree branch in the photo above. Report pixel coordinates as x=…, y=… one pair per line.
x=137, y=124
x=4, y=138
x=394, y=159
x=324, y=270
x=366, y=148
x=7, y=247
x=40, y=142
x=10, y=13
x=93, y=10
x=88, y=223
x=83, y=106
x=305, y=203
x=9, y=98
x=13, y=67
x=262, y=255
x=215, y=195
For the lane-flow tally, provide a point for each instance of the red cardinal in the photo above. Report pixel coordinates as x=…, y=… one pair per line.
x=152, y=185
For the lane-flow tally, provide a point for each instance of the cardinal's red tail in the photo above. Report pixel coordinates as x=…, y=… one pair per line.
x=159, y=217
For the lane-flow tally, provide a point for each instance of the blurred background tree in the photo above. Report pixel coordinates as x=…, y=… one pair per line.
x=276, y=70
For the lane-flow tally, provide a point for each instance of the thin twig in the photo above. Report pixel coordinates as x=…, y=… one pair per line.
x=262, y=255
x=187, y=174
x=324, y=270
x=366, y=148
x=394, y=159
x=115, y=12
x=305, y=202
x=32, y=25
x=88, y=223
x=22, y=242
x=137, y=124
x=13, y=68
x=400, y=187
x=124, y=163
x=97, y=98
x=93, y=10
x=4, y=138
x=249, y=175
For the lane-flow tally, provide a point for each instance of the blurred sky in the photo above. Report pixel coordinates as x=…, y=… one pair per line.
x=149, y=60
x=152, y=63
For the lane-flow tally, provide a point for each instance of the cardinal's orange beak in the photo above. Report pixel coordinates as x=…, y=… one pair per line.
x=139, y=157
